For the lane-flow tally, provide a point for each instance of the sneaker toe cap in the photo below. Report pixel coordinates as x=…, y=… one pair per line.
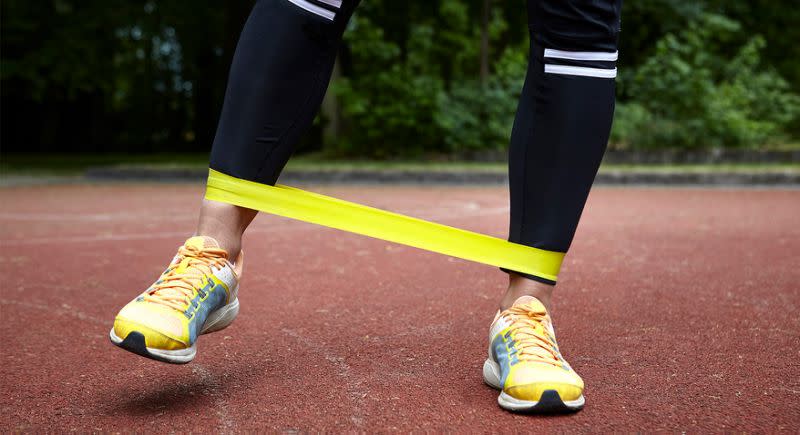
x=533, y=392
x=161, y=327
x=153, y=338
x=529, y=382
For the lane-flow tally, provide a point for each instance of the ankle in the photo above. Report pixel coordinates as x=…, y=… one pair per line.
x=232, y=246
x=226, y=224
x=519, y=286
x=230, y=242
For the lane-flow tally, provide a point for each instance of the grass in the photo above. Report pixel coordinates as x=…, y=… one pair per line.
x=72, y=165
x=314, y=165
x=75, y=164
x=728, y=167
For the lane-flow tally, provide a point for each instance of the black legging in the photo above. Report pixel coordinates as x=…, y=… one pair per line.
x=285, y=58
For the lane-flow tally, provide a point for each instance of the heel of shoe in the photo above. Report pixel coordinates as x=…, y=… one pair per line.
x=491, y=374
x=222, y=318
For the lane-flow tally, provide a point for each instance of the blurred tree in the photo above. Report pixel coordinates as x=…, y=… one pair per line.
x=690, y=93
x=53, y=88
x=114, y=75
x=417, y=76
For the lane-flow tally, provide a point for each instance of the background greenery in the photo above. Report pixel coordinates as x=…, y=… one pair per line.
x=143, y=76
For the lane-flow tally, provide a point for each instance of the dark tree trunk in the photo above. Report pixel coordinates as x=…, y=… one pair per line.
x=485, y=14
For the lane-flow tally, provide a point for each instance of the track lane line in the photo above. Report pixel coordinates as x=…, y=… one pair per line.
x=65, y=310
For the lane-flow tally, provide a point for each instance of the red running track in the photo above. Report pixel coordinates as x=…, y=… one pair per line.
x=679, y=307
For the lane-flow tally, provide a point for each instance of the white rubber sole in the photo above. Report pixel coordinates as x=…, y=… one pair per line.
x=222, y=318
x=216, y=321
x=491, y=376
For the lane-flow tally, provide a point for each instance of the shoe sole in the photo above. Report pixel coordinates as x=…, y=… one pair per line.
x=549, y=403
x=135, y=341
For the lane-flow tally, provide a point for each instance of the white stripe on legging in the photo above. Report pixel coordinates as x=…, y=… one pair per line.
x=580, y=71
x=314, y=9
x=335, y=3
x=581, y=55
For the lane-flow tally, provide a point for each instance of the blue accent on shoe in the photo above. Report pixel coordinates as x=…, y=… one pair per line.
x=215, y=298
x=501, y=356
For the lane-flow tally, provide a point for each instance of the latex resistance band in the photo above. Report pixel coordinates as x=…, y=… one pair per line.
x=348, y=216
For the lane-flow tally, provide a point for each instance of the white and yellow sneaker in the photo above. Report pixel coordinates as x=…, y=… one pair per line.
x=197, y=294
x=525, y=363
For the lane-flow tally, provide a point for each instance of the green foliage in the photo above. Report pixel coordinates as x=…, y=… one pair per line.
x=474, y=117
x=389, y=101
x=112, y=75
x=139, y=76
x=690, y=94
x=426, y=98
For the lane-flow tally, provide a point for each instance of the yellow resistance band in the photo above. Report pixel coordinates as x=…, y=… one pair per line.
x=335, y=213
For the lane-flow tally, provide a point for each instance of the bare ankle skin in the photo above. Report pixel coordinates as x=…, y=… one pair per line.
x=519, y=286
x=225, y=223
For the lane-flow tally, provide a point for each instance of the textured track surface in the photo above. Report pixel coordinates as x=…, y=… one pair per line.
x=678, y=307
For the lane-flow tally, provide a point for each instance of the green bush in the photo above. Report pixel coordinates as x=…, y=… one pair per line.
x=390, y=102
x=703, y=87
x=407, y=102
x=689, y=95
x=476, y=117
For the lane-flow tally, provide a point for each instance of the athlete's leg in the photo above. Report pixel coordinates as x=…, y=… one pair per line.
x=280, y=72
x=562, y=126
x=559, y=137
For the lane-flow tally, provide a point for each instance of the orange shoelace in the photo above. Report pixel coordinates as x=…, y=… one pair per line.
x=182, y=279
x=533, y=340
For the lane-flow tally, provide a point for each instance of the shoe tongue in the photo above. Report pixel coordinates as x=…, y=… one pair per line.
x=201, y=242
x=531, y=302
x=197, y=242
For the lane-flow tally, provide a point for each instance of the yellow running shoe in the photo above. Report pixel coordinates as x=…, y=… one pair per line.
x=525, y=363
x=195, y=295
